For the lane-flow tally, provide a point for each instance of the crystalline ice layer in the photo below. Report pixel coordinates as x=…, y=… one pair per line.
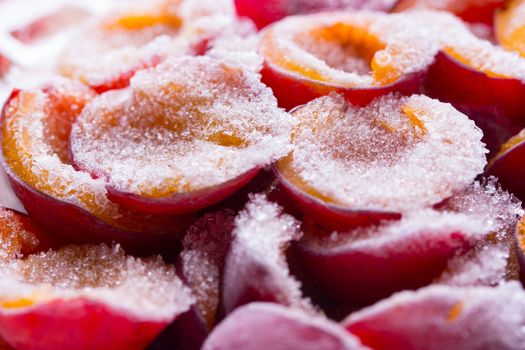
x=395, y=154
x=207, y=122
x=146, y=288
x=14, y=236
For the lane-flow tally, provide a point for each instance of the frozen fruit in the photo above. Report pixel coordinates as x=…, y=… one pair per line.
x=510, y=27
x=256, y=268
x=506, y=165
x=442, y=317
x=202, y=260
x=264, y=12
x=353, y=166
x=360, y=54
x=70, y=204
x=520, y=243
x=493, y=259
x=19, y=235
x=5, y=65
x=482, y=80
x=475, y=11
x=185, y=135
x=49, y=24
x=88, y=297
x=259, y=326
x=367, y=264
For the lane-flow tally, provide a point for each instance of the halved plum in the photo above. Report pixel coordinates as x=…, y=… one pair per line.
x=256, y=268
x=354, y=166
x=367, y=264
x=19, y=235
x=271, y=326
x=442, y=317
x=520, y=247
x=69, y=204
x=137, y=36
x=5, y=65
x=185, y=135
x=88, y=297
x=510, y=27
x=473, y=11
x=482, y=80
x=264, y=12
x=359, y=54
x=202, y=261
x=506, y=165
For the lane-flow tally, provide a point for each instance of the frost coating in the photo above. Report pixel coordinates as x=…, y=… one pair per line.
x=145, y=288
x=188, y=124
x=14, y=236
x=395, y=154
x=442, y=317
x=261, y=236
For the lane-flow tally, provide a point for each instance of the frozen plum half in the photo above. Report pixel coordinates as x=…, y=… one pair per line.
x=256, y=267
x=258, y=326
x=442, y=317
x=353, y=166
x=183, y=136
x=88, y=297
x=362, y=55
x=69, y=204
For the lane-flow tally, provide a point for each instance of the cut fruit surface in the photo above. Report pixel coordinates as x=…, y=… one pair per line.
x=256, y=268
x=50, y=300
x=202, y=260
x=442, y=317
x=361, y=54
x=360, y=165
x=264, y=12
x=510, y=27
x=185, y=135
x=506, y=165
x=19, y=235
x=67, y=203
x=271, y=326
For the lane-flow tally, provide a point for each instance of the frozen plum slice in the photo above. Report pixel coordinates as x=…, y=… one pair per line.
x=510, y=27
x=88, y=297
x=271, y=326
x=359, y=54
x=443, y=317
x=264, y=12
x=108, y=51
x=474, y=11
x=19, y=235
x=202, y=260
x=364, y=265
x=352, y=166
x=506, y=165
x=185, y=135
x=69, y=204
x=256, y=268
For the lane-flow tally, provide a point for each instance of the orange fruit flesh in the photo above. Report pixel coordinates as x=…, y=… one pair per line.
x=22, y=149
x=357, y=40
x=472, y=63
x=16, y=234
x=287, y=169
x=512, y=39
x=163, y=15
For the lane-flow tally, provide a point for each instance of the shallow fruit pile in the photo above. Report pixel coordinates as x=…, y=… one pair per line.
x=256, y=174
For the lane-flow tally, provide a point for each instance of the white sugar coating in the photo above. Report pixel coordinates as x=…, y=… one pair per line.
x=488, y=203
x=14, y=236
x=510, y=20
x=485, y=266
x=417, y=231
x=148, y=289
x=339, y=47
x=395, y=154
x=188, y=124
x=203, y=256
x=448, y=5
x=443, y=317
x=262, y=234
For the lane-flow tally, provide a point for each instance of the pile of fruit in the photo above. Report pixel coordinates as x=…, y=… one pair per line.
x=262, y=174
